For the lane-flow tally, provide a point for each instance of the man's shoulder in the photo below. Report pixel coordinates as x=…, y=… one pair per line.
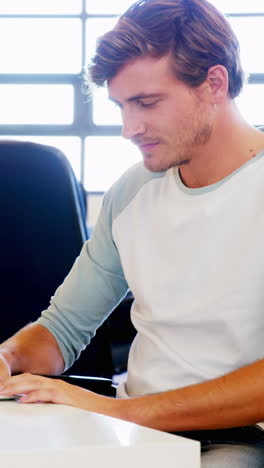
x=134, y=178
x=126, y=188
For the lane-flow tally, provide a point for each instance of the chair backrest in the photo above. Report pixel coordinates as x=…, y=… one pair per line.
x=42, y=231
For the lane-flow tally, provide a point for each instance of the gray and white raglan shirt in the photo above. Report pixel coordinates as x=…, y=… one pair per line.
x=194, y=261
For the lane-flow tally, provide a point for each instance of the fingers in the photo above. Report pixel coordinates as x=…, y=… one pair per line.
x=36, y=396
x=32, y=387
x=19, y=384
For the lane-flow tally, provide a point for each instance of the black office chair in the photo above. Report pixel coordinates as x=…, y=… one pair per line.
x=43, y=228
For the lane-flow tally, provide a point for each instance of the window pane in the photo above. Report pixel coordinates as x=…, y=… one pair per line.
x=70, y=146
x=251, y=102
x=250, y=33
x=40, y=45
x=104, y=111
x=236, y=6
x=36, y=104
x=96, y=27
x=40, y=7
x=106, y=158
x=226, y=6
x=115, y=7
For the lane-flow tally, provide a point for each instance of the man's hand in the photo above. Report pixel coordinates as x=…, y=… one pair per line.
x=5, y=370
x=32, y=388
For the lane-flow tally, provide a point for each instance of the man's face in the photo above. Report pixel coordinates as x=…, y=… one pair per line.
x=169, y=121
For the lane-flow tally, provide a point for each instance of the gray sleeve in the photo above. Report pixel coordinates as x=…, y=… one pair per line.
x=94, y=286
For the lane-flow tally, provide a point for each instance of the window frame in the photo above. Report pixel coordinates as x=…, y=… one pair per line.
x=83, y=125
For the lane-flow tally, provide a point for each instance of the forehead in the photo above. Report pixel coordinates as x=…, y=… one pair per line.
x=143, y=75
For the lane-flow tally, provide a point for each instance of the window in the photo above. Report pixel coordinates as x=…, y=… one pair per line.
x=40, y=45
x=40, y=7
x=46, y=45
x=107, y=158
x=23, y=104
x=105, y=7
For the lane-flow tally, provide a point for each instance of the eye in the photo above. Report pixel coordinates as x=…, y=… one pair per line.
x=147, y=103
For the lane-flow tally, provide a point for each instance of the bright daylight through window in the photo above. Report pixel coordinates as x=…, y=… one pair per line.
x=47, y=44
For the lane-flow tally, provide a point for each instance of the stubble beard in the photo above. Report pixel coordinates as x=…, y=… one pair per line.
x=186, y=148
x=198, y=140
x=192, y=134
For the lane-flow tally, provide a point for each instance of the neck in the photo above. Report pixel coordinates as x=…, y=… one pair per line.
x=232, y=143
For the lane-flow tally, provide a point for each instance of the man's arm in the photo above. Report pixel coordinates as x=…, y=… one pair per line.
x=33, y=349
x=236, y=399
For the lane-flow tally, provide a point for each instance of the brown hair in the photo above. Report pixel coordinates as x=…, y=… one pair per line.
x=194, y=32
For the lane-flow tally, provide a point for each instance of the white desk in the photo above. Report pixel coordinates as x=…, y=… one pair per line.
x=57, y=436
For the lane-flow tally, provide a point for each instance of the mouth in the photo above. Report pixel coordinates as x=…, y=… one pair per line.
x=146, y=147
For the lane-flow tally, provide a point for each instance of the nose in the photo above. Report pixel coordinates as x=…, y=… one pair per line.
x=132, y=127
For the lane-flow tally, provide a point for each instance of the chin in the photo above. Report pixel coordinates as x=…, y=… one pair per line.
x=155, y=164
x=154, y=167
x=159, y=166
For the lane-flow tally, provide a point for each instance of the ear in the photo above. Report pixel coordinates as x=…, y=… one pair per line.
x=217, y=81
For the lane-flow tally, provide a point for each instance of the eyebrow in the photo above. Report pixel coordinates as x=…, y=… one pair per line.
x=137, y=97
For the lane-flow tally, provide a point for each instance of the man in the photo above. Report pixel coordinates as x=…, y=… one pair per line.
x=183, y=230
